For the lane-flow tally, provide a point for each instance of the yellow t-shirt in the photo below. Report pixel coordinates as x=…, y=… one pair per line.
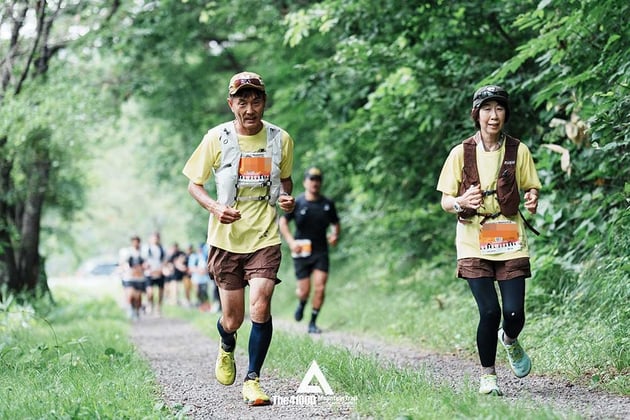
x=257, y=228
x=467, y=235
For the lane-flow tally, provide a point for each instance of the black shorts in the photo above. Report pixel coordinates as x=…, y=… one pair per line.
x=159, y=282
x=304, y=266
x=136, y=285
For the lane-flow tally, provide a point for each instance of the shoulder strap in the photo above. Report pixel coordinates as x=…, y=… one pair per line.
x=511, y=148
x=470, y=172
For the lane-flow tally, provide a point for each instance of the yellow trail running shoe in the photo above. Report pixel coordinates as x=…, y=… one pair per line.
x=225, y=369
x=253, y=395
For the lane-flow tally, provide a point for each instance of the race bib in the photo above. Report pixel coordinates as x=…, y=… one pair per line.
x=306, y=248
x=254, y=168
x=499, y=237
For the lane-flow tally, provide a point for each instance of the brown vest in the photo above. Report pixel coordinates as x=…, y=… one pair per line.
x=507, y=190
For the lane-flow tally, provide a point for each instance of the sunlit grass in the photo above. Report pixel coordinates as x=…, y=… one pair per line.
x=74, y=362
x=429, y=308
x=375, y=388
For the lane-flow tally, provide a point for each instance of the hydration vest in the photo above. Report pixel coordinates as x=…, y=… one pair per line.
x=227, y=175
x=135, y=259
x=160, y=255
x=506, y=188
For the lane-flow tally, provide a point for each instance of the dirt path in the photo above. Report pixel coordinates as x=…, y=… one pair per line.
x=183, y=360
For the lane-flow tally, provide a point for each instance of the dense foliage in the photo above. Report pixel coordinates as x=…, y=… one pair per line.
x=48, y=97
x=398, y=92
x=376, y=93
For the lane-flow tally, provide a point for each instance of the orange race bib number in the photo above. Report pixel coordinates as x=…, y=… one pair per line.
x=254, y=167
x=499, y=237
x=306, y=248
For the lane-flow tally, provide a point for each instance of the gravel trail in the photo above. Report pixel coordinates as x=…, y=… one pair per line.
x=183, y=361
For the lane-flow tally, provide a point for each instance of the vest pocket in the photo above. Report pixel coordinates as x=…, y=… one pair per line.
x=507, y=193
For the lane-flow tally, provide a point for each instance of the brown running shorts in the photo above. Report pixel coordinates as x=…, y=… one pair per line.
x=232, y=271
x=475, y=268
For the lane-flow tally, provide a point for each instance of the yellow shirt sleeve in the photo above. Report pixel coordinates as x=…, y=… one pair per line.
x=451, y=175
x=206, y=156
x=526, y=177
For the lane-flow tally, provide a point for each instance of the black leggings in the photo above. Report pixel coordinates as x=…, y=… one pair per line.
x=513, y=300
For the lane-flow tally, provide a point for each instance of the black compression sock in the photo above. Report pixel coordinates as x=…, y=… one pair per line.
x=228, y=340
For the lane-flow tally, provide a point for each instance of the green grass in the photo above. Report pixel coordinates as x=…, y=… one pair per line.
x=386, y=391
x=74, y=362
x=383, y=390
x=582, y=337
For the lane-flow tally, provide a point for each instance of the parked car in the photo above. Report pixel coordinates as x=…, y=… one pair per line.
x=98, y=267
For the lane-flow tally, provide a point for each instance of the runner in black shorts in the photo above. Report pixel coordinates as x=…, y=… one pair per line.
x=132, y=273
x=305, y=266
x=313, y=214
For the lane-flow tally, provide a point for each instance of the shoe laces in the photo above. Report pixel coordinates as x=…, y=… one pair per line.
x=254, y=387
x=515, y=350
x=226, y=357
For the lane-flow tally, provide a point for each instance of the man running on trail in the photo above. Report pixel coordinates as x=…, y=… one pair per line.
x=132, y=264
x=313, y=214
x=251, y=160
x=155, y=257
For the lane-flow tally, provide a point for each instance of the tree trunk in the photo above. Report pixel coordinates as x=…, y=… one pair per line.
x=20, y=229
x=8, y=268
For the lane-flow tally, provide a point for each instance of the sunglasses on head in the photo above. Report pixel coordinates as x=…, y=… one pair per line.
x=491, y=91
x=240, y=82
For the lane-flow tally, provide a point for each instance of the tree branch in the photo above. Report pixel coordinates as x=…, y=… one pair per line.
x=494, y=20
x=41, y=14
x=112, y=10
x=7, y=68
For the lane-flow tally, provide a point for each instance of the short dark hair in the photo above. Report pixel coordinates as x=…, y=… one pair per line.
x=248, y=92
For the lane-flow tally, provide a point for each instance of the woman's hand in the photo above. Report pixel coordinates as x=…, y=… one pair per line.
x=531, y=201
x=472, y=198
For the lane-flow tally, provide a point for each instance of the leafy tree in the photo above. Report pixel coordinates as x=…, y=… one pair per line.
x=397, y=92
x=581, y=86
x=377, y=92
x=41, y=108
